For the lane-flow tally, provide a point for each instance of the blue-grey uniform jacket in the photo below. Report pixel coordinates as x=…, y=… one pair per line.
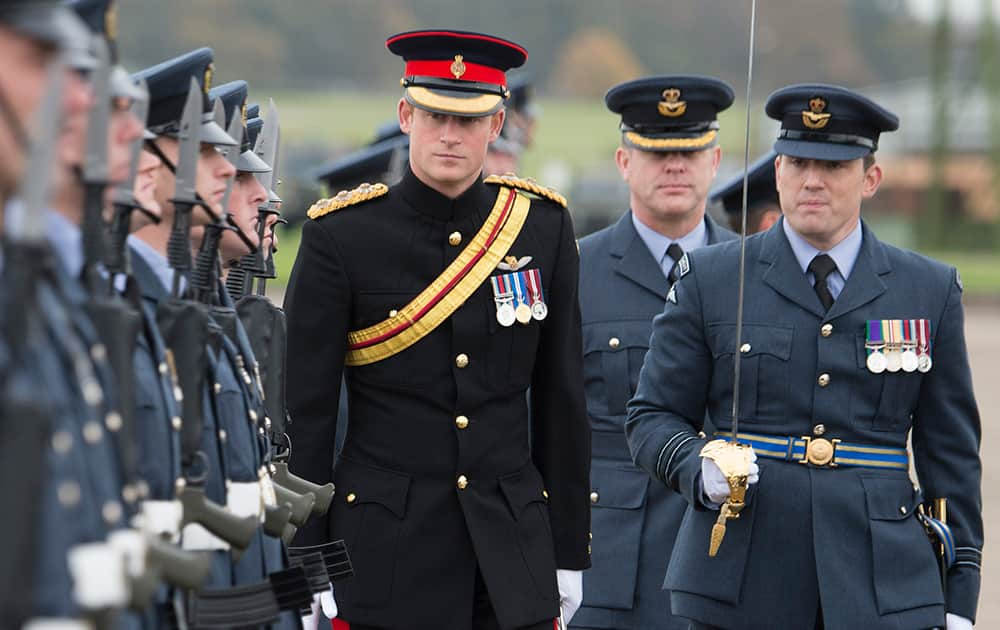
x=634, y=522
x=846, y=539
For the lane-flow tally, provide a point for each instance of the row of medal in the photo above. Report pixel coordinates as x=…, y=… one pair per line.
x=518, y=297
x=898, y=344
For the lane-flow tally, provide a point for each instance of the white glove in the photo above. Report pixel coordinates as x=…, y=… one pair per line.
x=954, y=622
x=570, y=592
x=714, y=484
x=324, y=601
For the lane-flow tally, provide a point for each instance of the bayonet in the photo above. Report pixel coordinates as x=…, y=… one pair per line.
x=94, y=172
x=124, y=197
x=185, y=198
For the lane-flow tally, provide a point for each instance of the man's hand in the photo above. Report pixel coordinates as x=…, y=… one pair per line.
x=570, y=592
x=713, y=483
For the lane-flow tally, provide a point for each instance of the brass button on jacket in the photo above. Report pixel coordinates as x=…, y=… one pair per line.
x=826, y=330
x=462, y=361
x=823, y=380
x=455, y=239
x=461, y=422
x=462, y=482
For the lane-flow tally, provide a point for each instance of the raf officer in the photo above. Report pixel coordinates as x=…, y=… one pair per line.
x=763, y=209
x=848, y=346
x=668, y=158
x=446, y=297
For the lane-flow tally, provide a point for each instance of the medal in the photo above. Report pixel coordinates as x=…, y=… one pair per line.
x=874, y=345
x=539, y=310
x=909, y=358
x=876, y=362
x=504, y=298
x=523, y=311
x=893, y=360
x=924, y=362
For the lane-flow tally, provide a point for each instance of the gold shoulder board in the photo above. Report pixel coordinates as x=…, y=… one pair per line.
x=527, y=185
x=345, y=198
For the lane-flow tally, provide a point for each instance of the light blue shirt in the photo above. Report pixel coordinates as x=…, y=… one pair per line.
x=844, y=254
x=156, y=261
x=67, y=242
x=658, y=243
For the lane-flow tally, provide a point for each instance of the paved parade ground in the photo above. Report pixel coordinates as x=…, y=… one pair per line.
x=984, y=350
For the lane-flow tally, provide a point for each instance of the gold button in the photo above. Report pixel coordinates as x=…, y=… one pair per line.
x=113, y=421
x=462, y=482
x=98, y=353
x=819, y=429
x=222, y=435
x=218, y=388
x=826, y=330
x=594, y=497
x=176, y=423
x=902, y=509
x=393, y=313
x=162, y=367
x=823, y=380
x=351, y=498
x=454, y=239
x=614, y=342
x=252, y=415
x=462, y=360
x=461, y=422
x=745, y=348
x=545, y=493
x=590, y=535
x=129, y=494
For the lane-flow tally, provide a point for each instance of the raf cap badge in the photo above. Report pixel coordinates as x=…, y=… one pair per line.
x=815, y=117
x=671, y=106
x=209, y=69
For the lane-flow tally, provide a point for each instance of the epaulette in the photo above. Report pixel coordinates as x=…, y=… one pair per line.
x=345, y=198
x=527, y=185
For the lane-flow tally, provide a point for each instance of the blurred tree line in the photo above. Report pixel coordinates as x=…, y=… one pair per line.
x=577, y=47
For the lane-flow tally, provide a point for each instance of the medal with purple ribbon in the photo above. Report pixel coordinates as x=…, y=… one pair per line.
x=874, y=345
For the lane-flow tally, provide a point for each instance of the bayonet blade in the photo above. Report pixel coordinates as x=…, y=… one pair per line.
x=267, y=144
x=125, y=192
x=29, y=225
x=232, y=154
x=95, y=163
x=189, y=147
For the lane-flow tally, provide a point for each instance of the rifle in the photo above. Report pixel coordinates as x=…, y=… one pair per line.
x=185, y=328
x=25, y=412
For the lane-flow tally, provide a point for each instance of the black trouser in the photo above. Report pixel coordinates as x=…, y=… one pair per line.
x=483, y=616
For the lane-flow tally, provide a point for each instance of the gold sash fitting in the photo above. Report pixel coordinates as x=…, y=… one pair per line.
x=454, y=298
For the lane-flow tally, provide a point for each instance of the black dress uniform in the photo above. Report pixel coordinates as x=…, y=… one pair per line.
x=830, y=535
x=443, y=482
x=622, y=288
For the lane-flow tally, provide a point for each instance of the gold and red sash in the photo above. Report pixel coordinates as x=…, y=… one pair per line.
x=449, y=291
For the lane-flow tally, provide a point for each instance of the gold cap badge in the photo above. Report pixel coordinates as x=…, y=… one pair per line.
x=815, y=118
x=458, y=67
x=671, y=106
x=208, y=77
x=111, y=22
x=243, y=113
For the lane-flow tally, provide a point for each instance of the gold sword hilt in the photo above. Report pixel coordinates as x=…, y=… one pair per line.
x=734, y=460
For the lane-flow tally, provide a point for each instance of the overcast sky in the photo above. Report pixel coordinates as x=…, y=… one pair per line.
x=962, y=10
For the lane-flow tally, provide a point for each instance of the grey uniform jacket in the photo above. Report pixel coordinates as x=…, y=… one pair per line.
x=843, y=539
x=634, y=522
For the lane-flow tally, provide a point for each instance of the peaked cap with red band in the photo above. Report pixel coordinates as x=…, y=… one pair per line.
x=456, y=72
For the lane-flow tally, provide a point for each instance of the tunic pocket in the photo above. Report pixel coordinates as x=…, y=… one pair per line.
x=904, y=566
x=613, y=355
x=368, y=514
x=523, y=491
x=617, y=518
x=764, y=369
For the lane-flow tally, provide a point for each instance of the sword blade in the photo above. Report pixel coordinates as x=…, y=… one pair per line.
x=743, y=230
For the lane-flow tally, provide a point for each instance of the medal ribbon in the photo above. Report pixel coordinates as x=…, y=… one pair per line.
x=875, y=338
x=924, y=331
x=909, y=333
x=518, y=279
x=887, y=333
x=535, y=283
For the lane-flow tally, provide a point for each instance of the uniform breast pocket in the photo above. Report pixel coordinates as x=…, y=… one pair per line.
x=613, y=356
x=764, y=368
x=882, y=402
x=406, y=368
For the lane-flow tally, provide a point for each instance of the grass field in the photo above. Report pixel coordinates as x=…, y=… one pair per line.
x=576, y=137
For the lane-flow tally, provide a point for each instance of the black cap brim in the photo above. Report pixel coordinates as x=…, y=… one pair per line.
x=828, y=151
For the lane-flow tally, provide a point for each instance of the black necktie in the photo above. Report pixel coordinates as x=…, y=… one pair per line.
x=821, y=267
x=675, y=252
